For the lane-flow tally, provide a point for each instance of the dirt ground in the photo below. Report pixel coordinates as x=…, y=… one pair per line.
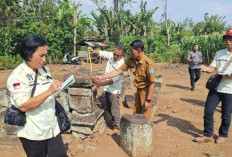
x=179, y=119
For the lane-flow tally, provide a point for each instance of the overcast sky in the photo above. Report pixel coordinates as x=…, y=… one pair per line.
x=178, y=10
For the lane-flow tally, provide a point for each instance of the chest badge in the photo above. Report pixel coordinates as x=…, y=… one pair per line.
x=30, y=78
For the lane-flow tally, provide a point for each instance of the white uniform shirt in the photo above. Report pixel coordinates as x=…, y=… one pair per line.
x=219, y=61
x=41, y=122
x=116, y=87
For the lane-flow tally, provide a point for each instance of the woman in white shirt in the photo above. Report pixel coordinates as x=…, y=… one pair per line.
x=40, y=136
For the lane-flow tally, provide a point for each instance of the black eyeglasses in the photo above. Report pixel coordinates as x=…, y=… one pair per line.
x=226, y=38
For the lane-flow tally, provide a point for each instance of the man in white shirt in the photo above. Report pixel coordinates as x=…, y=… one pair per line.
x=113, y=87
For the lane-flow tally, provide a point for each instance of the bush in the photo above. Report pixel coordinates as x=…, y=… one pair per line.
x=164, y=57
x=208, y=45
x=9, y=62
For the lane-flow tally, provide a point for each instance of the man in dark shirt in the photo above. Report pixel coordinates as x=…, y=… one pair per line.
x=194, y=58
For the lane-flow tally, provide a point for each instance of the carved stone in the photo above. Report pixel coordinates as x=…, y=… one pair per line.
x=136, y=135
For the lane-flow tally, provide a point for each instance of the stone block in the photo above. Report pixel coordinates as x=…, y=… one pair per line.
x=78, y=136
x=83, y=129
x=136, y=135
x=154, y=107
x=82, y=77
x=129, y=101
x=81, y=104
x=4, y=97
x=80, y=91
x=86, y=119
x=100, y=126
x=157, y=87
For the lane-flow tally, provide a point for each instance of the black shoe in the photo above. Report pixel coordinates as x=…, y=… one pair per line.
x=192, y=89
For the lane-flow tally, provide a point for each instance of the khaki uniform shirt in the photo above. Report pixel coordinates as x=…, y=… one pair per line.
x=41, y=122
x=143, y=70
x=219, y=61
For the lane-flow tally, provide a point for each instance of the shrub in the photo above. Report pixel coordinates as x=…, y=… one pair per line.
x=9, y=62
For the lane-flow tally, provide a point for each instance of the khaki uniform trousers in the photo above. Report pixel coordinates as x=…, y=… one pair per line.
x=140, y=98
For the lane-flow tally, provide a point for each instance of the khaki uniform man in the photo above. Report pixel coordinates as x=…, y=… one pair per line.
x=143, y=69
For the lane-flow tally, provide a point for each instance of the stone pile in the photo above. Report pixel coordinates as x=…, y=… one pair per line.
x=79, y=101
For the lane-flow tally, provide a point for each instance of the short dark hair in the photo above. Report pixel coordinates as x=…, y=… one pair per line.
x=120, y=48
x=195, y=44
x=137, y=44
x=29, y=44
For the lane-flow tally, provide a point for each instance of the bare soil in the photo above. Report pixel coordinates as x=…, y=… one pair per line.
x=179, y=119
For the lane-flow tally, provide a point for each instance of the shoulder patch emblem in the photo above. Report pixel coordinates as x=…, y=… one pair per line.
x=151, y=71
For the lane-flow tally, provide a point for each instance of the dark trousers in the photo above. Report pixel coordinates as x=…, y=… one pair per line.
x=53, y=147
x=195, y=75
x=112, y=105
x=212, y=102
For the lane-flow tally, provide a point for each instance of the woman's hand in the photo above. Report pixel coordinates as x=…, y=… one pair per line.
x=55, y=86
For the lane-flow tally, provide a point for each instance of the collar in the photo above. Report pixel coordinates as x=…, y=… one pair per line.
x=227, y=52
x=27, y=69
x=142, y=60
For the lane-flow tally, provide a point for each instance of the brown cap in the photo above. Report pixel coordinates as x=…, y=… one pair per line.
x=228, y=33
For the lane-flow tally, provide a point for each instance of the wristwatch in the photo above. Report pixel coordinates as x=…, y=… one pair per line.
x=148, y=100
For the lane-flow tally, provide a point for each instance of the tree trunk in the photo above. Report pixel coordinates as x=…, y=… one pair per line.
x=116, y=6
x=75, y=29
x=168, y=25
x=106, y=31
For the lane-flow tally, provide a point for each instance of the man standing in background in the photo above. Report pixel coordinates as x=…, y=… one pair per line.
x=113, y=87
x=194, y=58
